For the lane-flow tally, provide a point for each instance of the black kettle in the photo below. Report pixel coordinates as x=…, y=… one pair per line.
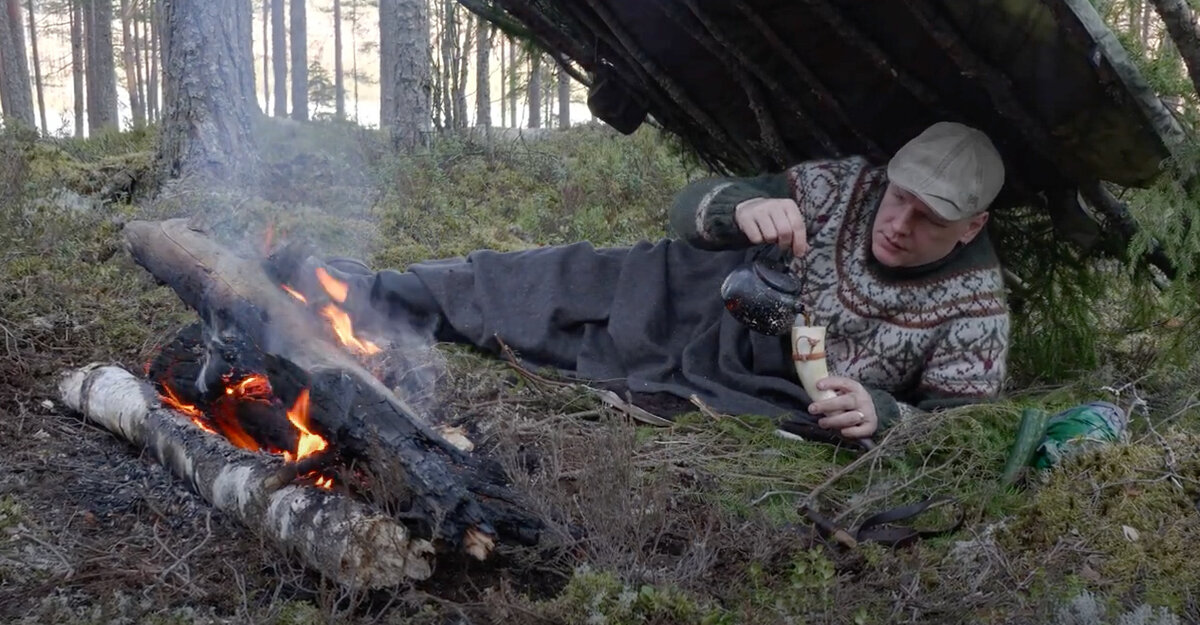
x=764, y=294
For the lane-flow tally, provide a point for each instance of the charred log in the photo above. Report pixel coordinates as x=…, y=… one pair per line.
x=328, y=532
x=446, y=493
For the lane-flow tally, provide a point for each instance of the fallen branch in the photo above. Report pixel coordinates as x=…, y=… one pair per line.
x=331, y=533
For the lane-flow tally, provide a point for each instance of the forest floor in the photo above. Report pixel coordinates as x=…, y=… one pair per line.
x=698, y=521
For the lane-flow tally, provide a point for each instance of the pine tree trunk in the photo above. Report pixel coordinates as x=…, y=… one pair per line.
x=244, y=23
x=5, y=40
x=449, y=34
x=339, y=85
x=299, y=61
x=155, y=54
x=14, y=67
x=1147, y=11
x=564, y=98
x=266, y=42
x=404, y=71
x=205, y=129
x=504, y=74
x=535, y=89
x=354, y=53
x=135, y=104
x=101, y=67
x=77, y=69
x=547, y=97
x=37, y=68
x=483, y=75
x=139, y=53
x=512, y=83
x=279, y=56
x=462, y=57
x=1181, y=25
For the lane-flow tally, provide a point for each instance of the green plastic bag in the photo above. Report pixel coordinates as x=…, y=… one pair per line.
x=1082, y=427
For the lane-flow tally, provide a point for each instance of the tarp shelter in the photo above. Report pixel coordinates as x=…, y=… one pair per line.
x=756, y=85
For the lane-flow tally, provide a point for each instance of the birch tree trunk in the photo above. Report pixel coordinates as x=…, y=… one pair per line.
x=77, y=69
x=564, y=98
x=205, y=128
x=100, y=66
x=1181, y=25
x=404, y=71
x=535, y=89
x=14, y=67
x=299, y=61
x=37, y=68
x=135, y=104
x=339, y=84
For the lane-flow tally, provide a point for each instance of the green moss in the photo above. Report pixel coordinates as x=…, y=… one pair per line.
x=11, y=512
x=1133, y=507
x=600, y=598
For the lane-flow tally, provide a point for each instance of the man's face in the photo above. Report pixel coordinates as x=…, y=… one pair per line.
x=907, y=233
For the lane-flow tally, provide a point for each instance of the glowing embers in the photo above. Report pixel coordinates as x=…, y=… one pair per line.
x=248, y=414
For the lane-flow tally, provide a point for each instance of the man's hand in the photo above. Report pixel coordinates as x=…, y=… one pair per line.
x=773, y=220
x=852, y=411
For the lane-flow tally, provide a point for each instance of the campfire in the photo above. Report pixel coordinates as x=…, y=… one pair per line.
x=243, y=407
x=274, y=407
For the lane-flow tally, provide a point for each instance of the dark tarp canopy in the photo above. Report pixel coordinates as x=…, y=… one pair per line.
x=756, y=85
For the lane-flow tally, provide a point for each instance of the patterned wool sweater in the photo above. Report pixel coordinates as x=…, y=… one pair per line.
x=922, y=337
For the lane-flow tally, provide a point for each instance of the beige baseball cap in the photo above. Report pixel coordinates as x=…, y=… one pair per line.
x=953, y=168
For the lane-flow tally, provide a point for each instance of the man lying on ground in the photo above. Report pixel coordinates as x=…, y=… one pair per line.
x=894, y=261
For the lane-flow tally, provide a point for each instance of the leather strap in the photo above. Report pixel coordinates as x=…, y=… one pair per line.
x=876, y=527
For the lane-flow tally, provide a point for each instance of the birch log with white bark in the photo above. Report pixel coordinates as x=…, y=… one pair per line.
x=327, y=531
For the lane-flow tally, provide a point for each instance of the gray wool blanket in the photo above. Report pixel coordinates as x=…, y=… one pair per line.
x=648, y=318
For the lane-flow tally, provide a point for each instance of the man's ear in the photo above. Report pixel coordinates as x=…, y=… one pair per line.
x=976, y=224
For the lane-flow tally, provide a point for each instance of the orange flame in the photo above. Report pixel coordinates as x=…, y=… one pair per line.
x=325, y=482
x=171, y=399
x=294, y=293
x=309, y=442
x=336, y=289
x=345, y=331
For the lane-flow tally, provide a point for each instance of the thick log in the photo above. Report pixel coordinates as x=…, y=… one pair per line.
x=328, y=532
x=361, y=417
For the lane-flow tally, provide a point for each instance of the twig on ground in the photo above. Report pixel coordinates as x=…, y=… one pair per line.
x=57, y=553
x=207, y=535
x=774, y=493
x=628, y=408
x=840, y=473
x=707, y=411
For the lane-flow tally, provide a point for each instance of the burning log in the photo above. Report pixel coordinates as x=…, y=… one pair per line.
x=330, y=533
x=448, y=496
